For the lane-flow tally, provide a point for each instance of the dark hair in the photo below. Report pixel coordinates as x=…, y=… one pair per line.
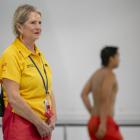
x=106, y=53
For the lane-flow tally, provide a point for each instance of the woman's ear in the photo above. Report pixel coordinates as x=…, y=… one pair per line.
x=20, y=28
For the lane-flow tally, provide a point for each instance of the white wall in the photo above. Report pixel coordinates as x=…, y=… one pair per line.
x=74, y=31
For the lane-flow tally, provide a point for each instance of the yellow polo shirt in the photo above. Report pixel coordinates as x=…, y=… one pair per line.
x=16, y=65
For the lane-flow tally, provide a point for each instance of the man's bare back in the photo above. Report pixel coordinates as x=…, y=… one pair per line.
x=98, y=80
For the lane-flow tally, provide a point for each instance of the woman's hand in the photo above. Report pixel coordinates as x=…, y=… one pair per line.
x=43, y=129
x=52, y=123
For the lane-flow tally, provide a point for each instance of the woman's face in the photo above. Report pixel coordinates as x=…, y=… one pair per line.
x=31, y=29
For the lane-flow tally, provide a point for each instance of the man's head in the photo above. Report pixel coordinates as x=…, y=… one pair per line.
x=110, y=56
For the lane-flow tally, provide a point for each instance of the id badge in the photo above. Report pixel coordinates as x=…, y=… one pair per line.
x=48, y=110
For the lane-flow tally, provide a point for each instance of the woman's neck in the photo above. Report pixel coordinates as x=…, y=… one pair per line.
x=29, y=44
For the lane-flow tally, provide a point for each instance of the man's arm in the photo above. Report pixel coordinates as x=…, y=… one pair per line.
x=22, y=108
x=85, y=93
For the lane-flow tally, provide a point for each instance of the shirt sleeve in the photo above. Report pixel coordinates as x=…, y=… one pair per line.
x=10, y=68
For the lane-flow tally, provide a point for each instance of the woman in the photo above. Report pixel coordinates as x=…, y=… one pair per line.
x=30, y=112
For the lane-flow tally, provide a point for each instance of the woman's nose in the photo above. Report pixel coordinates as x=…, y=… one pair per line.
x=38, y=25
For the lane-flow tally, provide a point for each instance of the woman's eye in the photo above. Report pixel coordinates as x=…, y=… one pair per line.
x=33, y=22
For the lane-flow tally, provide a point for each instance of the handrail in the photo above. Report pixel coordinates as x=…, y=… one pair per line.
x=83, y=125
x=77, y=123
x=122, y=123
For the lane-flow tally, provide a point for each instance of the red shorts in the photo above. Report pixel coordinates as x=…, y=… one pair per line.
x=113, y=132
x=17, y=128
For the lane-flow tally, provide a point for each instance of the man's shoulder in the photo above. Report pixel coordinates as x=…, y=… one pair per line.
x=104, y=72
x=109, y=75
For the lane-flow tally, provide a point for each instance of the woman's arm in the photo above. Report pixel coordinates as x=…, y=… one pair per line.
x=53, y=119
x=22, y=108
x=53, y=105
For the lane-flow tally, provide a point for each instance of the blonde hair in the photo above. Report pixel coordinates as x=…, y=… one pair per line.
x=21, y=16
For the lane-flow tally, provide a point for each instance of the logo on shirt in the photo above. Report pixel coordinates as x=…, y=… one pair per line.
x=46, y=65
x=30, y=65
x=4, y=64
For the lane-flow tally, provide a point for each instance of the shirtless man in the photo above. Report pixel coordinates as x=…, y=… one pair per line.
x=103, y=86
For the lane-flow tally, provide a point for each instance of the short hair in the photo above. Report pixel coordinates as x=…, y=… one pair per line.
x=107, y=52
x=21, y=16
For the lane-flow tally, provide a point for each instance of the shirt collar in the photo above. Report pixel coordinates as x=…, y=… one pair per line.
x=24, y=50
